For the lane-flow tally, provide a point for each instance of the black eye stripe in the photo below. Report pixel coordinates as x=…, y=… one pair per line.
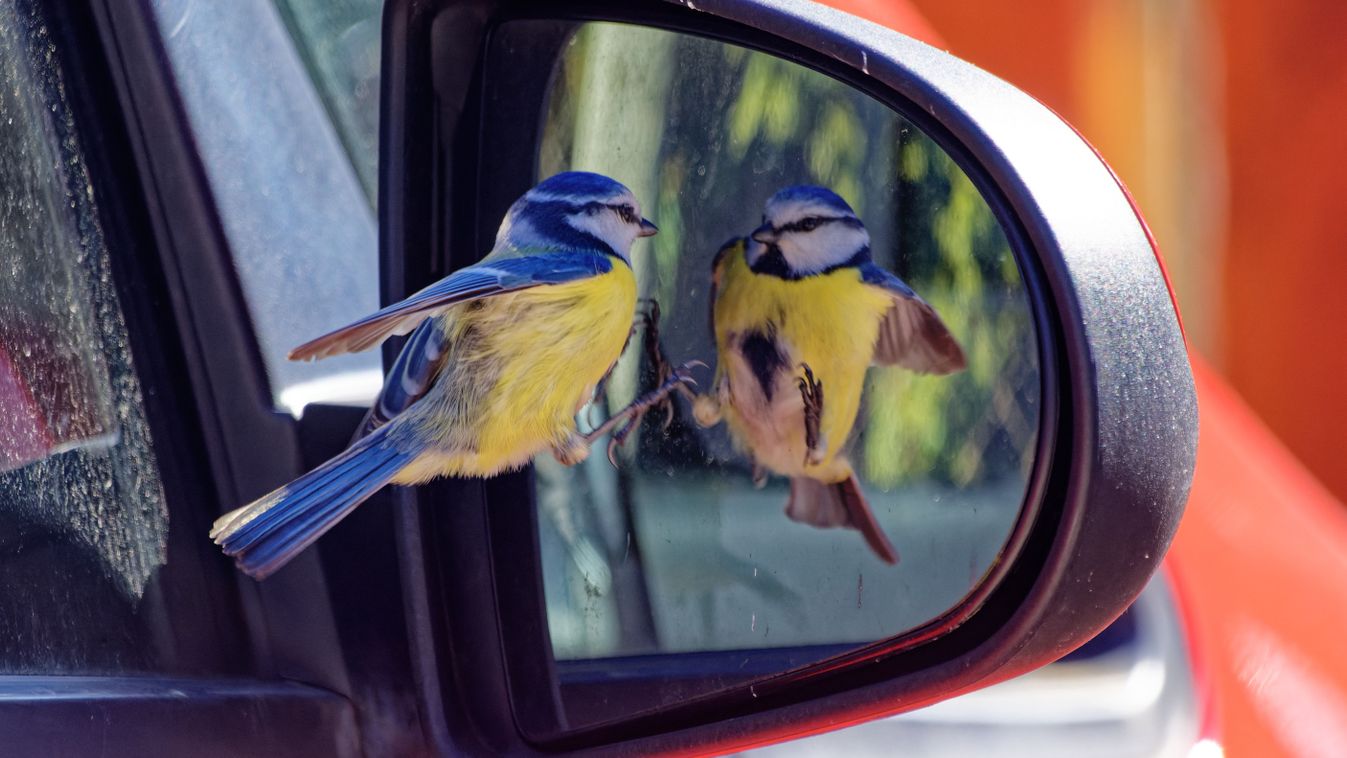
x=817, y=221
x=626, y=212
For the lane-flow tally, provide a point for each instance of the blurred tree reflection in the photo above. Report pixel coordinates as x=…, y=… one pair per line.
x=981, y=422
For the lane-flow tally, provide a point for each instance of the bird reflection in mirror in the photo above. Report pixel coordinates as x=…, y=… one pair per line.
x=799, y=312
x=501, y=357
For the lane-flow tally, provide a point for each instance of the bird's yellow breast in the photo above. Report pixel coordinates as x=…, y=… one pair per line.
x=828, y=321
x=519, y=367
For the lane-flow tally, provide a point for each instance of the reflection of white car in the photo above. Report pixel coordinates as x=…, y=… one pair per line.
x=1128, y=692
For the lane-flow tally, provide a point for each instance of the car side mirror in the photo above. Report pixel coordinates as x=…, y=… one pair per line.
x=1022, y=448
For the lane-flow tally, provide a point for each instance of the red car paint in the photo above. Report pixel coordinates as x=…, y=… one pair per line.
x=1263, y=555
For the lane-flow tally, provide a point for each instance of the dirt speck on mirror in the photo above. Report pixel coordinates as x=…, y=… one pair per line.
x=83, y=524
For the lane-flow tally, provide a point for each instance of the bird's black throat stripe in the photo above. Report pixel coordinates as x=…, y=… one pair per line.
x=764, y=357
x=773, y=263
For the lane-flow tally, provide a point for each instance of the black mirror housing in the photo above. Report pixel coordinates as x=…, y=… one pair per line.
x=1119, y=428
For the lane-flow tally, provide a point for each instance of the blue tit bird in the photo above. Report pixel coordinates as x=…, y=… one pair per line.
x=796, y=308
x=501, y=357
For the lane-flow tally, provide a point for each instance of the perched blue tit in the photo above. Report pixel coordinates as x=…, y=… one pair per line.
x=502, y=355
x=799, y=308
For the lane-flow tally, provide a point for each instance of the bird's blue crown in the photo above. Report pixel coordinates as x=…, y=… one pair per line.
x=579, y=186
x=811, y=194
x=544, y=218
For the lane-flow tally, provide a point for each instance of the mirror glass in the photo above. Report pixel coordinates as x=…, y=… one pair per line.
x=730, y=522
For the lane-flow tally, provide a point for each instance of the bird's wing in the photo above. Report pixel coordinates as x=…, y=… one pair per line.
x=734, y=244
x=410, y=376
x=490, y=277
x=912, y=334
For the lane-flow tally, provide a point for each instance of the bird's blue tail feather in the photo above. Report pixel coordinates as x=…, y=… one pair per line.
x=265, y=534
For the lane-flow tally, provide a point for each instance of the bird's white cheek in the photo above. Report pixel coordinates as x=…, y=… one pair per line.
x=609, y=228
x=800, y=255
x=822, y=249
x=844, y=240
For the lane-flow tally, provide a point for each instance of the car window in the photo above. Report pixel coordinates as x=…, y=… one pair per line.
x=83, y=521
x=339, y=42
x=298, y=220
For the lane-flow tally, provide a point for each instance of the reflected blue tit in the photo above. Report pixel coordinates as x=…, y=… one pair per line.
x=502, y=355
x=799, y=313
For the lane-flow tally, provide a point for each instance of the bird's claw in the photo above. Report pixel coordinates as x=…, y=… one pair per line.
x=628, y=419
x=660, y=364
x=598, y=399
x=620, y=436
x=811, y=392
x=684, y=373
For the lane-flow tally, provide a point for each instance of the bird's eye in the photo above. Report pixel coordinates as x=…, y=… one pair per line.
x=628, y=214
x=809, y=224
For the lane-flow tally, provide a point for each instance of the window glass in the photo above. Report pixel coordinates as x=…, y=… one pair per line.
x=83, y=523
x=677, y=549
x=339, y=41
x=299, y=222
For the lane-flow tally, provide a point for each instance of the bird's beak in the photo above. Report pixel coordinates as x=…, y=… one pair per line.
x=764, y=234
x=647, y=229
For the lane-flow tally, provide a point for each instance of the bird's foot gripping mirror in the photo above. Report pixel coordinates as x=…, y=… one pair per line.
x=945, y=423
